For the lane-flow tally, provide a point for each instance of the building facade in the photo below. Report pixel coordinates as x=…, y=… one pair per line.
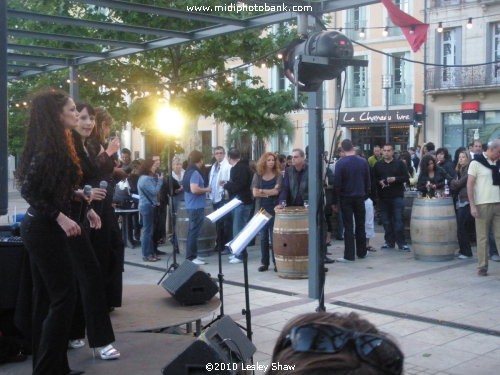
x=463, y=101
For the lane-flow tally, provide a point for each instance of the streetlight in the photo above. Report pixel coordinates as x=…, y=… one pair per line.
x=170, y=121
x=387, y=85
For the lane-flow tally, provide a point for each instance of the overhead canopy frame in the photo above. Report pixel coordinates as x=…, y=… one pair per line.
x=26, y=60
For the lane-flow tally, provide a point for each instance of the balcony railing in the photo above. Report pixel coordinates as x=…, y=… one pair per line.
x=462, y=77
x=397, y=96
x=445, y=3
x=357, y=97
x=400, y=95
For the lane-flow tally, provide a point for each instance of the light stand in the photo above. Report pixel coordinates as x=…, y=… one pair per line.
x=220, y=277
x=387, y=86
x=173, y=215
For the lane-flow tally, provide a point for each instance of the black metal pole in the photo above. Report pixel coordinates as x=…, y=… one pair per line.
x=246, y=311
x=387, y=136
x=4, y=204
x=220, y=276
x=320, y=210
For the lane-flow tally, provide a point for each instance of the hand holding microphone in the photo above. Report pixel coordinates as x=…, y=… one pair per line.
x=98, y=194
x=87, y=193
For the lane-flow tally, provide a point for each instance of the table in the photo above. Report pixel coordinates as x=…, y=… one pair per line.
x=150, y=308
x=125, y=213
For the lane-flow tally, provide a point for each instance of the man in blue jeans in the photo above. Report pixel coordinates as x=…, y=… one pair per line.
x=195, y=199
x=390, y=175
x=239, y=186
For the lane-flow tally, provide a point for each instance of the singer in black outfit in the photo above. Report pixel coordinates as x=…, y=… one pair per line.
x=48, y=173
x=92, y=311
x=107, y=241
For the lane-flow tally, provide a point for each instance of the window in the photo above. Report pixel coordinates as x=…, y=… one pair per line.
x=356, y=20
x=357, y=91
x=496, y=50
x=206, y=144
x=457, y=133
x=449, y=55
x=395, y=30
x=400, y=71
x=280, y=79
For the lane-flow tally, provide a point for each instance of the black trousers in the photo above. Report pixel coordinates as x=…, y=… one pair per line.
x=93, y=304
x=109, y=250
x=354, y=206
x=53, y=293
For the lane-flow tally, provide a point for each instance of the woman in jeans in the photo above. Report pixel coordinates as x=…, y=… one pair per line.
x=149, y=186
x=48, y=174
x=464, y=217
x=266, y=185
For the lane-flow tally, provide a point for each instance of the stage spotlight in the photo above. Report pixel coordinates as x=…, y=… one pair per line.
x=322, y=56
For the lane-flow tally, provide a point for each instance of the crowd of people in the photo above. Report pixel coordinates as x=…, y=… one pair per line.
x=359, y=190
x=72, y=178
x=471, y=179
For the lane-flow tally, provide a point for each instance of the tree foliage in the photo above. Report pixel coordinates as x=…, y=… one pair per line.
x=112, y=83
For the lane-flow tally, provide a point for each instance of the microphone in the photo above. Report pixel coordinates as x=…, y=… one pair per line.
x=87, y=191
x=102, y=185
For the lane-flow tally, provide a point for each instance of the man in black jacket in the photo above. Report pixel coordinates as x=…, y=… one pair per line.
x=239, y=186
x=390, y=175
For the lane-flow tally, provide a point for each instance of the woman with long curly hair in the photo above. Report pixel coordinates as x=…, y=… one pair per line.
x=266, y=186
x=48, y=175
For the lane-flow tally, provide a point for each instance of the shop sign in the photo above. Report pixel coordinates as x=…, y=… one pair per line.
x=376, y=117
x=470, y=110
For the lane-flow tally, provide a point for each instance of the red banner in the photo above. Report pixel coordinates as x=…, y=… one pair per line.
x=414, y=30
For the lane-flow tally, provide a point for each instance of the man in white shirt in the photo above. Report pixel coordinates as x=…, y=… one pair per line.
x=475, y=148
x=220, y=172
x=483, y=190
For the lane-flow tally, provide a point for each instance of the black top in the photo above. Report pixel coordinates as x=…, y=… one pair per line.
x=351, y=178
x=240, y=182
x=47, y=201
x=395, y=168
x=438, y=180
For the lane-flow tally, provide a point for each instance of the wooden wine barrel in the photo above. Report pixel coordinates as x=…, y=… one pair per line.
x=290, y=242
x=433, y=229
x=409, y=197
x=206, y=239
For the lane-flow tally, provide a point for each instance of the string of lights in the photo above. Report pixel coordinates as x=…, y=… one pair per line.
x=208, y=80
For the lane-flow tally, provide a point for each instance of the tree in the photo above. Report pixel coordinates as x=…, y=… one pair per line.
x=112, y=83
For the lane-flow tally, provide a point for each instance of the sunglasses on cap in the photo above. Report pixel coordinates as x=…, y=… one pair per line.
x=375, y=350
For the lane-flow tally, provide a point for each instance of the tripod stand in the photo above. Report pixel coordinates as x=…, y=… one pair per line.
x=220, y=275
x=173, y=215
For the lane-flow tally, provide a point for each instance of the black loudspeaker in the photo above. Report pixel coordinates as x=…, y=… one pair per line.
x=189, y=285
x=223, y=346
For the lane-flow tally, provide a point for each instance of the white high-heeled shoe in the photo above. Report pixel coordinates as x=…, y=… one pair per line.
x=107, y=352
x=76, y=344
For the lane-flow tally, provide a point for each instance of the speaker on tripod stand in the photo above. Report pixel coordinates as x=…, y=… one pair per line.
x=223, y=345
x=189, y=285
